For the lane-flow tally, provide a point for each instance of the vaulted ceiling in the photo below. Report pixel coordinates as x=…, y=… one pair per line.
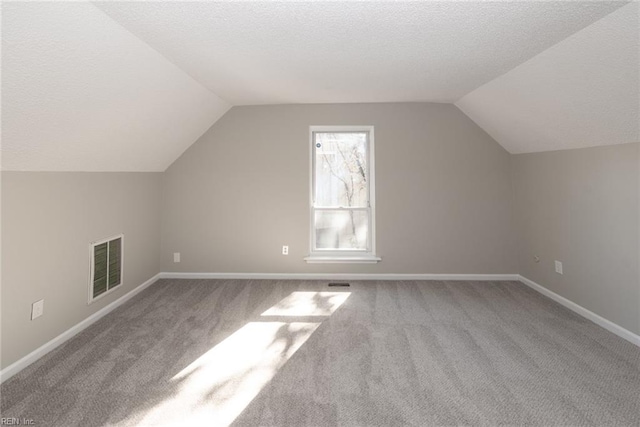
x=130, y=85
x=81, y=93
x=581, y=92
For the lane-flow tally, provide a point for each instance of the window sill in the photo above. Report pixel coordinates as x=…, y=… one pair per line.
x=344, y=259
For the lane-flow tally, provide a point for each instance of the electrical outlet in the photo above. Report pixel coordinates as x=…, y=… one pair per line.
x=559, y=267
x=37, y=309
x=285, y=250
x=176, y=257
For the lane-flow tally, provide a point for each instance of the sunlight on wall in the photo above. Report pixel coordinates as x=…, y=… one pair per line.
x=220, y=384
x=308, y=304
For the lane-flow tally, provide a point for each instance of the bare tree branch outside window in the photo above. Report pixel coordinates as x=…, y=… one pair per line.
x=343, y=155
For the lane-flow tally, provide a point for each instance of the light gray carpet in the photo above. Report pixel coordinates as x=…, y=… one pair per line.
x=393, y=353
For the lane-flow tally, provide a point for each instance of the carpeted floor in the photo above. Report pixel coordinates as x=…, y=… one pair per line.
x=298, y=353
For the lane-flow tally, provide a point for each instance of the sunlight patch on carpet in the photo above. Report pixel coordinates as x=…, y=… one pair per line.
x=308, y=304
x=215, y=388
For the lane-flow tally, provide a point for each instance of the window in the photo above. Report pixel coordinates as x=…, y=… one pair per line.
x=106, y=266
x=342, y=194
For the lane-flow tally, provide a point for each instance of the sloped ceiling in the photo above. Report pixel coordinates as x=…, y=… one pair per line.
x=81, y=93
x=582, y=92
x=128, y=86
x=311, y=52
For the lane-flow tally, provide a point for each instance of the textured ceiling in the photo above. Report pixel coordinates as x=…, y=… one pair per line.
x=128, y=86
x=582, y=92
x=81, y=93
x=309, y=52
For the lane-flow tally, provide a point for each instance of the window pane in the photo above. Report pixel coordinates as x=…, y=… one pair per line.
x=341, y=169
x=100, y=269
x=341, y=229
x=114, y=262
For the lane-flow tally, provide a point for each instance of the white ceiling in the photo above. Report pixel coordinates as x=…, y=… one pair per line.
x=81, y=93
x=128, y=86
x=312, y=52
x=582, y=92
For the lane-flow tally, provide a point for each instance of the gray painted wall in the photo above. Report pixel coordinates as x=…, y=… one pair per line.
x=446, y=198
x=48, y=221
x=581, y=207
x=242, y=191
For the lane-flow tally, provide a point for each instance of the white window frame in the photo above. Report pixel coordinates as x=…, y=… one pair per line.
x=367, y=256
x=92, y=247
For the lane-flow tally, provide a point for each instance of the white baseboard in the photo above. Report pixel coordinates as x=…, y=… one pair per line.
x=27, y=360
x=588, y=314
x=331, y=276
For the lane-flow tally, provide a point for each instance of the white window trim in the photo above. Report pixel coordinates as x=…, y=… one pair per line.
x=345, y=255
x=92, y=247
